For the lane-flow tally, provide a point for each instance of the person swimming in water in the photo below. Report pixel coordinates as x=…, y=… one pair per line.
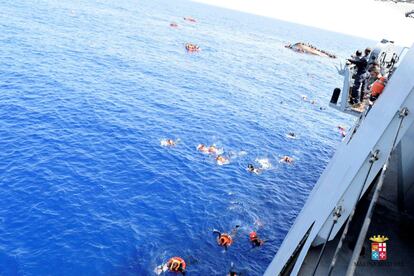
x=252, y=169
x=291, y=135
x=169, y=142
x=233, y=271
x=222, y=160
x=225, y=239
x=213, y=149
x=202, y=148
x=174, y=264
x=254, y=239
x=341, y=128
x=173, y=25
x=190, y=47
x=286, y=159
x=210, y=150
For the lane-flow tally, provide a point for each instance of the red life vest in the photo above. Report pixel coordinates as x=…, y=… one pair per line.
x=377, y=87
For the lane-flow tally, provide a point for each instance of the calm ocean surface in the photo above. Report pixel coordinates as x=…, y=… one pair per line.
x=87, y=91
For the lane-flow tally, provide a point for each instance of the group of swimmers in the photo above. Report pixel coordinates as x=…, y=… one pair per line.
x=222, y=159
x=190, y=47
x=216, y=152
x=186, y=18
x=225, y=240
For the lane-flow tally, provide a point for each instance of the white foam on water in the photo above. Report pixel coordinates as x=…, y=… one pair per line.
x=264, y=163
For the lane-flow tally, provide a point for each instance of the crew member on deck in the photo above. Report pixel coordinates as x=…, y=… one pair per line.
x=361, y=63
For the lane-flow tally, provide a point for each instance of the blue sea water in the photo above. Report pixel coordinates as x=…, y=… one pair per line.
x=87, y=91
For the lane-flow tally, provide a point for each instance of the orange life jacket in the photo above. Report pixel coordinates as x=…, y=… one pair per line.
x=253, y=236
x=378, y=87
x=175, y=263
x=225, y=240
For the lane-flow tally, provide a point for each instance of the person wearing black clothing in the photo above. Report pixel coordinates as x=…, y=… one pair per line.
x=361, y=64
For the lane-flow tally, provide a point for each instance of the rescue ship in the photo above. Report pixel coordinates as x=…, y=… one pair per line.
x=359, y=217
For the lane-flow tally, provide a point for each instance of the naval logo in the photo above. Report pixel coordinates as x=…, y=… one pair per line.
x=378, y=248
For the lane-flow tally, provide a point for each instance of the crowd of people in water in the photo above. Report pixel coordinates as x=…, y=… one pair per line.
x=190, y=47
x=226, y=239
x=221, y=158
x=368, y=81
x=223, y=239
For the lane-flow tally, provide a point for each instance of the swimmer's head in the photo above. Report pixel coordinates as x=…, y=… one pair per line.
x=201, y=146
x=250, y=167
x=221, y=158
